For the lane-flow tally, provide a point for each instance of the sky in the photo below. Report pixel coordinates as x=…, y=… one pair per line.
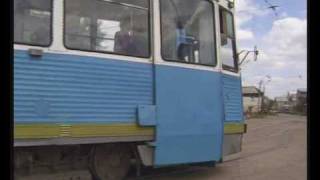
x=281, y=41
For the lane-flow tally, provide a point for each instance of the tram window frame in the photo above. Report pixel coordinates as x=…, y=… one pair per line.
x=214, y=39
x=51, y=27
x=235, y=68
x=149, y=55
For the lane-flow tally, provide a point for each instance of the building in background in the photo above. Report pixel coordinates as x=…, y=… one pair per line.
x=302, y=101
x=282, y=104
x=292, y=101
x=252, y=99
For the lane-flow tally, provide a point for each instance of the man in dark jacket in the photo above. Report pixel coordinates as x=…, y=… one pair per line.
x=131, y=41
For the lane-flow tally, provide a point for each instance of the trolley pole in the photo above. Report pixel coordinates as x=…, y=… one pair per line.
x=262, y=91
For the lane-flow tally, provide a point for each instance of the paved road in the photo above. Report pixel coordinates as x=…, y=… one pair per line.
x=273, y=148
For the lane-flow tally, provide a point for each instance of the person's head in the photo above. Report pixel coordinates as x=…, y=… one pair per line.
x=180, y=24
x=125, y=23
x=139, y=25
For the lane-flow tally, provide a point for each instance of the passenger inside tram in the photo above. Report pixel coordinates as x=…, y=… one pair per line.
x=123, y=38
x=131, y=39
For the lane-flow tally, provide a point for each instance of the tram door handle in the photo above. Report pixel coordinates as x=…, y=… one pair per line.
x=35, y=52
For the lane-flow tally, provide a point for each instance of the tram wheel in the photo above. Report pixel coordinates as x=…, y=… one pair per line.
x=110, y=162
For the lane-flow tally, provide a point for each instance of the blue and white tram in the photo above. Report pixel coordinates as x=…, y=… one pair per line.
x=106, y=81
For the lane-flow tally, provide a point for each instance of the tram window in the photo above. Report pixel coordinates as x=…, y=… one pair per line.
x=187, y=29
x=228, y=47
x=32, y=22
x=118, y=26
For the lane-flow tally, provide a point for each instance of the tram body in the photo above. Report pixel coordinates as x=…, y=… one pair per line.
x=157, y=77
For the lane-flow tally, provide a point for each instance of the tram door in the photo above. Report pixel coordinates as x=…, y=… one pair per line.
x=188, y=93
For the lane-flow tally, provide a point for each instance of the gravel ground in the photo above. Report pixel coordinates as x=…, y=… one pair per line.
x=273, y=148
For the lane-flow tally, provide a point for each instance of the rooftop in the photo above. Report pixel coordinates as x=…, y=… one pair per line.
x=304, y=90
x=250, y=90
x=284, y=98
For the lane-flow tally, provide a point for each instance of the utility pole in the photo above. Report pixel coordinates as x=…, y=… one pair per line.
x=262, y=91
x=261, y=96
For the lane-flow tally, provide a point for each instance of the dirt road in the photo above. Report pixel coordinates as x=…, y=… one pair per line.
x=273, y=148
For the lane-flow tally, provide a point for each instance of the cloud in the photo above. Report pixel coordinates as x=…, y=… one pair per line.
x=282, y=55
x=287, y=36
x=286, y=42
x=283, y=15
x=246, y=10
x=244, y=34
x=281, y=85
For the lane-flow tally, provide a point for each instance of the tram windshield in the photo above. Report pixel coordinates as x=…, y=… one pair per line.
x=118, y=26
x=187, y=28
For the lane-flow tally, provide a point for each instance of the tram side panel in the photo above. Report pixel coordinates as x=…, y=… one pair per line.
x=233, y=114
x=59, y=95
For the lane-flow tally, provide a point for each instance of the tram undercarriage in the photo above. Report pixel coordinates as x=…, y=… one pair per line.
x=76, y=162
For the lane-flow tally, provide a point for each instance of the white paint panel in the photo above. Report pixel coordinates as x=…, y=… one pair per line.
x=58, y=47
